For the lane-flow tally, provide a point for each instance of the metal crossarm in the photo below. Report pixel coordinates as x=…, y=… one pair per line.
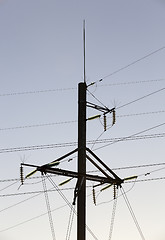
x=47, y=169
x=99, y=108
x=118, y=180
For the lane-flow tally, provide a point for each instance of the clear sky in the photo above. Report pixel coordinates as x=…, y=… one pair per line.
x=41, y=64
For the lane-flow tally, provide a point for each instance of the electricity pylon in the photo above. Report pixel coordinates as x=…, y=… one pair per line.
x=84, y=154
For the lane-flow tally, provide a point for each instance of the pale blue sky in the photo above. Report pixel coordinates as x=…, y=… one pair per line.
x=41, y=49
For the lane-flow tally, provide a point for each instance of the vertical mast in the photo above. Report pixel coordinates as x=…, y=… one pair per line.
x=84, y=50
x=81, y=198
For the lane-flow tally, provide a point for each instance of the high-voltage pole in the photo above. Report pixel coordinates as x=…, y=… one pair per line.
x=81, y=197
x=84, y=153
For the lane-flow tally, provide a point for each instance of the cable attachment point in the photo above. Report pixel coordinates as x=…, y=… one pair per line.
x=114, y=191
x=92, y=83
x=113, y=117
x=94, y=195
x=21, y=174
x=105, y=122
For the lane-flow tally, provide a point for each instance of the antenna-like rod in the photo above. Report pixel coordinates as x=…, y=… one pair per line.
x=84, y=49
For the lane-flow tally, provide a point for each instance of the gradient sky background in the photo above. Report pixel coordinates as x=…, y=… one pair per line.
x=41, y=64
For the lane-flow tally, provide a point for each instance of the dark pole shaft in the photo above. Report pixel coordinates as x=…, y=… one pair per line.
x=81, y=198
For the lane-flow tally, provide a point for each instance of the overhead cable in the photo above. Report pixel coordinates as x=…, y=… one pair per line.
x=131, y=82
x=36, y=92
x=132, y=63
x=132, y=135
x=73, y=88
x=29, y=220
x=71, y=144
x=138, y=99
x=75, y=121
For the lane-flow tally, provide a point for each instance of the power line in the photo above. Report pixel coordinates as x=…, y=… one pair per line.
x=140, y=166
x=142, y=113
x=73, y=88
x=29, y=220
x=133, y=101
x=131, y=82
x=138, y=99
x=9, y=186
x=38, y=125
x=18, y=203
x=37, y=91
x=132, y=135
x=37, y=147
x=133, y=167
x=148, y=180
x=72, y=188
x=140, y=137
x=74, y=121
x=130, y=64
x=33, y=192
x=71, y=144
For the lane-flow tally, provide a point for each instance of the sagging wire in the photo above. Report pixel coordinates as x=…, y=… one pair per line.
x=132, y=213
x=113, y=212
x=32, y=183
x=94, y=192
x=69, y=204
x=48, y=207
x=106, y=202
x=115, y=188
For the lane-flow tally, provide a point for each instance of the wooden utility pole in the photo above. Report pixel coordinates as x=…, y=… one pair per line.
x=81, y=191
